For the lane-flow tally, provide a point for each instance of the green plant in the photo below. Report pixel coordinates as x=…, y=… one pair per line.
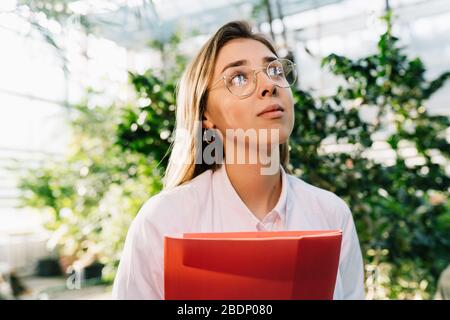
x=146, y=128
x=89, y=198
x=401, y=209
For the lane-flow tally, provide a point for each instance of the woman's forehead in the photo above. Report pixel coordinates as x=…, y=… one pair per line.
x=253, y=51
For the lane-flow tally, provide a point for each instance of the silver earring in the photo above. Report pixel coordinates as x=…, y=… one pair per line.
x=205, y=138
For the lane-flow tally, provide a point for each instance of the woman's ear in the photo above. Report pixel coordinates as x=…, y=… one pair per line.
x=207, y=122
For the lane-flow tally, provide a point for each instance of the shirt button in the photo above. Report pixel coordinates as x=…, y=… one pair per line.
x=270, y=218
x=260, y=227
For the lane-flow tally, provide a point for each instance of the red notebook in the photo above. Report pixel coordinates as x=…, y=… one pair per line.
x=252, y=265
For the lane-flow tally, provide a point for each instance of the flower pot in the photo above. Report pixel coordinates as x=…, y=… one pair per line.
x=48, y=267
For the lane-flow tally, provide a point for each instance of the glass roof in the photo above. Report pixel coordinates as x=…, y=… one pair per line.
x=134, y=23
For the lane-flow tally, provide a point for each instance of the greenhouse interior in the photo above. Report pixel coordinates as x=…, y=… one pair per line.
x=85, y=129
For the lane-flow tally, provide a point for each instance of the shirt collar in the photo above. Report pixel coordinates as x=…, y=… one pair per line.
x=233, y=200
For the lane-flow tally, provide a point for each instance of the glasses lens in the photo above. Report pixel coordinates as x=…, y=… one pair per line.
x=240, y=80
x=282, y=72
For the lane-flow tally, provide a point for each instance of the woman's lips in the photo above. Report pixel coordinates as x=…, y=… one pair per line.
x=272, y=112
x=275, y=114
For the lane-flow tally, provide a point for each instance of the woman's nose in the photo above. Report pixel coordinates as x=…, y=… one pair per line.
x=265, y=85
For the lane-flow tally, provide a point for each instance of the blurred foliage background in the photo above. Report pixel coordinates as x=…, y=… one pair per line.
x=401, y=210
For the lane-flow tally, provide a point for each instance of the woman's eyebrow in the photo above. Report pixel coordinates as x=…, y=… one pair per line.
x=244, y=62
x=235, y=64
x=269, y=59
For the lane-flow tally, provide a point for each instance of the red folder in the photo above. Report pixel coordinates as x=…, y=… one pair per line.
x=280, y=265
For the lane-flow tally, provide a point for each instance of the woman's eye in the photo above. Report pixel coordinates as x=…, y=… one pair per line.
x=239, y=80
x=276, y=71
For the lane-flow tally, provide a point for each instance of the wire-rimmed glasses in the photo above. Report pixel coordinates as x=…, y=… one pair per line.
x=241, y=80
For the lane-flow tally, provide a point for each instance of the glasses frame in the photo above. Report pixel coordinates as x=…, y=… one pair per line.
x=255, y=79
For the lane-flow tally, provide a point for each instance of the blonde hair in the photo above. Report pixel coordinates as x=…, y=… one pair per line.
x=192, y=96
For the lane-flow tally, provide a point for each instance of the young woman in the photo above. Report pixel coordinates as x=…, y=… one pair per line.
x=236, y=82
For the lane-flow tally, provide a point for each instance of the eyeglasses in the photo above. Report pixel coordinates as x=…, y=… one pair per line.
x=241, y=80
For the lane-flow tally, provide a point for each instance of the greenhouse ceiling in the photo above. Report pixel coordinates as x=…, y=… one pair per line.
x=132, y=23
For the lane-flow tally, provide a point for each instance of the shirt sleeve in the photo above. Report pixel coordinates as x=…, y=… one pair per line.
x=140, y=273
x=351, y=265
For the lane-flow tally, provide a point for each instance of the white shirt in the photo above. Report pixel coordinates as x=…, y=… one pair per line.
x=209, y=203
